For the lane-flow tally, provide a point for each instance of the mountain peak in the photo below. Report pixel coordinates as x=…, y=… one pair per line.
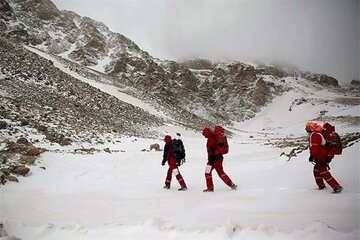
x=194, y=93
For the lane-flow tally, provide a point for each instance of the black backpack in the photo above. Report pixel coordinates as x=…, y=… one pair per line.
x=179, y=150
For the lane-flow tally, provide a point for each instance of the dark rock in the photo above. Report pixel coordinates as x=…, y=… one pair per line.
x=26, y=159
x=3, y=124
x=155, y=146
x=20, y=170
x=23, y=140
x=6, y=171
x=355, y=82
x=15, y=147
x=32, y=151
x=24, y=122
x=12, y=178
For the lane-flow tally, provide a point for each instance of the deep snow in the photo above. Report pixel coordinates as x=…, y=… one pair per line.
x=120, y=195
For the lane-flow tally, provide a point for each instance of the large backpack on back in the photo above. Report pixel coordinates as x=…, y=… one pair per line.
x=333, y=140
x=178, y=150
x=222, y=146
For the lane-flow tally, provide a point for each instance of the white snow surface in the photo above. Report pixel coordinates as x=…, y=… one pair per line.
x=120, y=195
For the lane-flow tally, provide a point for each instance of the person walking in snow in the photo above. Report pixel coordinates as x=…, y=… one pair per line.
x=171, y=158
x=215, y=159
x=321, y=157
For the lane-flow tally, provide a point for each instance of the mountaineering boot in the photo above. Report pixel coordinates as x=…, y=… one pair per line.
x=233, y=186
x=208, y=190
x=182, y=189
x=338, y=190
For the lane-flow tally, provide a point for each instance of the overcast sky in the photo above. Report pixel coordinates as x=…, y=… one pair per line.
x=321, y=36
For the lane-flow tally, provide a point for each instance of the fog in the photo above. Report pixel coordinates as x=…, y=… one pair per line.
x=320, y=36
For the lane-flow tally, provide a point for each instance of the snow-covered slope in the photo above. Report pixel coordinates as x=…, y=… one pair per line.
x=102, y=85
x=191, y=92
x=120, y=195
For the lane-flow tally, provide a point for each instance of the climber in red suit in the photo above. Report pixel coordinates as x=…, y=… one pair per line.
x=319, y=154
x=215, y=161
x=173, y=165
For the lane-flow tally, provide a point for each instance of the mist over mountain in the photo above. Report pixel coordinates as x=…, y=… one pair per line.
x=193, y=93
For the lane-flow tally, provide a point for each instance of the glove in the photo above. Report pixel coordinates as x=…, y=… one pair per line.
x=163, y=162
x=311, y=159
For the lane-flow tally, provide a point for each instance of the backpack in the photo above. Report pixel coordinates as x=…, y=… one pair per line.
x=222, y=146
x=178, y=150
x=333, y=140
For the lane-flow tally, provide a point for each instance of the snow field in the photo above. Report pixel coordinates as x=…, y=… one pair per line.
x=120, y=195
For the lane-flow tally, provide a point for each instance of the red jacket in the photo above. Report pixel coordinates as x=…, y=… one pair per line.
x=211, y=146
x=318, y=149
x=168, y=150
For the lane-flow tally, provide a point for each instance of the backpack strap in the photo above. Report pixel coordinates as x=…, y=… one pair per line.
x=323, y=140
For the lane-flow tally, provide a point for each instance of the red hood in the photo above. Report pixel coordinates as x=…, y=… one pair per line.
x=207, y=132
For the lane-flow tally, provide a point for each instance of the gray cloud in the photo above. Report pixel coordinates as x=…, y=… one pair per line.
x=320, y=36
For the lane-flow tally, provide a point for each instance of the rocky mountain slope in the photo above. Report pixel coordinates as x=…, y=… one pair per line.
x=191, y=92
x=36, y=92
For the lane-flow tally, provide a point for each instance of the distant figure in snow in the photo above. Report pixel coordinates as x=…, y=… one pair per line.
x=171, y=157
x=321, y=156
x=214, y=148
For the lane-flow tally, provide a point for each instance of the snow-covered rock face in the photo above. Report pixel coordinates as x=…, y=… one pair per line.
x=225, y=92
x=194, y=93
x=33, y=89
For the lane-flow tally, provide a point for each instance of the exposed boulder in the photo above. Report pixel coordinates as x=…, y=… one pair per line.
x=355, y=82
x=5, y=171
x=155, y=146
x=20, y=170
x=322, y=79
x=14, y=147
x=33, y=151
x=12, y=178
x=23, y=140
x=27, y=159
x=2, y=177
x=3, y=124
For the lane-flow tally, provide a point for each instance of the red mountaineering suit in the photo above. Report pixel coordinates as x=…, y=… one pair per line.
x=322, y=158
x=215, y=161
x=173, y=165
